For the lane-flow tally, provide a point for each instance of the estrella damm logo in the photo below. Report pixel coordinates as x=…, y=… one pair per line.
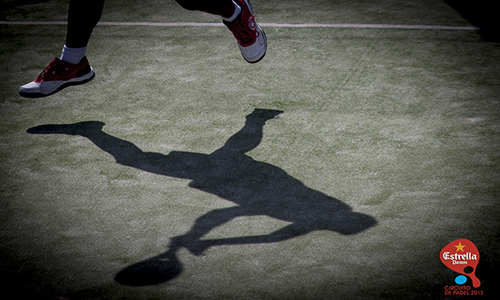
x=462, y=257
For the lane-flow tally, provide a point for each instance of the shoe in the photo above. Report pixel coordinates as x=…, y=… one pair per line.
x=58, y=75
x=251, y=38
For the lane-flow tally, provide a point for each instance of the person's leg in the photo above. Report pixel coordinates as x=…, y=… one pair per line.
x=83, y=16
x=223, y=8
x=238, y=16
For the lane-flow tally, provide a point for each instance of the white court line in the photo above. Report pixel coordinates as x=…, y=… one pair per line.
x=308, y=25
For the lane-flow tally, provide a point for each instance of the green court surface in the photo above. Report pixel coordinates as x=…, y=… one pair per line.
x=380, y=147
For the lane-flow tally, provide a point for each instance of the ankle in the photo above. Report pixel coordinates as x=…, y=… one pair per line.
x=73, y=55
x=236, y=13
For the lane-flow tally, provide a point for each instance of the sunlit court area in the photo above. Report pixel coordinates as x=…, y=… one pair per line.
x=359, y=159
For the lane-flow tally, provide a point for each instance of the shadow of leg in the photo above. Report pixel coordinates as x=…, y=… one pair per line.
x=81, y=128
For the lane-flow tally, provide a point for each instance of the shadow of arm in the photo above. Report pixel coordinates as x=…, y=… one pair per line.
x=288, y=232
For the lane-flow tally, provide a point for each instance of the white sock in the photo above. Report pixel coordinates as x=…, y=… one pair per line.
x=237, y=11
x=73, y=55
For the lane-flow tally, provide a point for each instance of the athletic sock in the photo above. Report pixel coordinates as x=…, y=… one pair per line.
x=73, y=55
x=237, y=11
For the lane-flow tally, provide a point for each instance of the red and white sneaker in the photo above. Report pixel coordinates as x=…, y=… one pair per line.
x=251, y=38
x=58, y=75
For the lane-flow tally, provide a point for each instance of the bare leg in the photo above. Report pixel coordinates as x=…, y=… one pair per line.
x=223, y=8
x=83, y=16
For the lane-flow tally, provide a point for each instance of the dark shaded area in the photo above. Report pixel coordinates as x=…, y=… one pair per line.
x=152, y=271
x=480, y=13
x=488, y=267
x=257, y=188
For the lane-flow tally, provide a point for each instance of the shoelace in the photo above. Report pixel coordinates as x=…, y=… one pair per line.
x=47, y=71
x=55, y=71
x=245, y=34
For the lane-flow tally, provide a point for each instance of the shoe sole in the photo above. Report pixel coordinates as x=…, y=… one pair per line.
x=65, y=85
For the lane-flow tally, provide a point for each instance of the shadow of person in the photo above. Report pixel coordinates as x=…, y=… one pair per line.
x=258, y=188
